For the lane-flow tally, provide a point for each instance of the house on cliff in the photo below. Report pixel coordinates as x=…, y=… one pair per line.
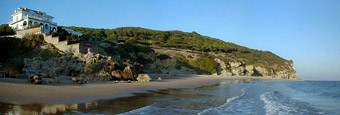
x=27, y=21
x=24, y=18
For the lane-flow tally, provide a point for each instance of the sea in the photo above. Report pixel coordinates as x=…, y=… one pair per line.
x=225, y=97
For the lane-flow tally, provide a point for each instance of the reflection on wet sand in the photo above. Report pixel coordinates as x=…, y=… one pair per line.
x=238, y=81
x=112, y=106
x=38, y=109
x=101, y=106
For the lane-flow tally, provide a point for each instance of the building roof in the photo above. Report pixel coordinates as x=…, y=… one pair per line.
x=37, y=12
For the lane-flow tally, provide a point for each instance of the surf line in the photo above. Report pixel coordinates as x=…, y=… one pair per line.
x=228, y=101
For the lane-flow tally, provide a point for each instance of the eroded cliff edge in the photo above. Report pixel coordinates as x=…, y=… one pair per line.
x=230, y=66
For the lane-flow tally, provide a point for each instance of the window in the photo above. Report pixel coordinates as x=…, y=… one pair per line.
x=25, y=23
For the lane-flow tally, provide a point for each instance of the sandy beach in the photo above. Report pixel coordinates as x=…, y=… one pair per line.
x=23, y=93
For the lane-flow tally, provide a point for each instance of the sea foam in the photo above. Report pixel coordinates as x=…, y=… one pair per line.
x=207, y=111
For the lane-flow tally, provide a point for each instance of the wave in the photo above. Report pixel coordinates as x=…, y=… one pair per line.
x=154, y=109
x=141, y=111
x=276, y=103
x=259, y=98
x=226, y=103
x=273, y=105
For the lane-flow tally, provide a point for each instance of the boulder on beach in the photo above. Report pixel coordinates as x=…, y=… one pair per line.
x=143, y=78
x=130, y=72
x=35, y=79
x=118, y=74
x=77, y=80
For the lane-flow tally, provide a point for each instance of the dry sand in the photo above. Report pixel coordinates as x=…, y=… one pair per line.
x=22, y=93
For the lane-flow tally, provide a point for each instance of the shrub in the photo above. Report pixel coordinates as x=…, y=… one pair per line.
x=47, y=54
x=205, y=62
x=163, y=56
x=6, y=30
x=54, y=34
x=123, y=53
x=72, y=38
x=35, y=37
x=189, y=56
x=131, y=40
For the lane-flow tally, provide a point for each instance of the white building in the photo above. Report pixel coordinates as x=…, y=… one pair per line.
x=24, y=18
x=70, y=31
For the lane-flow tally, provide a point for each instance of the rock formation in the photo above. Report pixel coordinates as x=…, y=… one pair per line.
x=77, y=80
x=35, y=79
x=243, y=69
x=90, y=67
x=170, y=65
x=144, y=78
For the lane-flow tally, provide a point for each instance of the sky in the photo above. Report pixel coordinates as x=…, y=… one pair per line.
x=305, y=31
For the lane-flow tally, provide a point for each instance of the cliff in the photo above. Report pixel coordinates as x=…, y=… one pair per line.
x=122, y=53
x=194, y=52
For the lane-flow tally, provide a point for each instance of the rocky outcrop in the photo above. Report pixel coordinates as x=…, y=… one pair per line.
x=168, y=65
x=90, y=67
x=143, y=78
x=222, y=70
x=57, y=66
x=118, y=74
x=77, y=80
x=35, y=79
x=242, y=69
x=130, y=72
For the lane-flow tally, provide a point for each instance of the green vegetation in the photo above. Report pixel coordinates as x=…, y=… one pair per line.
x=73, y=38
x=48, y=54
x=129, y=51
x=17, y=49
x=33, y=40
x=64, y=35
x=14, y=50
x=12, y=53
x=205, y=62
x=162, y=56
x=6, y=30
x=192, y=41
x=177, y=39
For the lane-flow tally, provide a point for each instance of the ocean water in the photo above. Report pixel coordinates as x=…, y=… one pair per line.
x=226, y=97
x=258, y=97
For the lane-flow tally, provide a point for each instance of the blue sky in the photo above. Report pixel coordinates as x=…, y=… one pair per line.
x=306, y=31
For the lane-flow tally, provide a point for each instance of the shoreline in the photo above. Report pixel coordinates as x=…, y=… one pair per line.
x=24, y=93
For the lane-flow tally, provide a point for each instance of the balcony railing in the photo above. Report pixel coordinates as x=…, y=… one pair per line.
x=39, y=18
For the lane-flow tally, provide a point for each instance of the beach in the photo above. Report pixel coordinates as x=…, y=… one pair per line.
x=23, y=93
x=174, y=94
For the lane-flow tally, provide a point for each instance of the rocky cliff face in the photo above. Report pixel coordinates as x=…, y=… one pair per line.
x=235, y=67
x=168, y=65
x=91, y=67
x=98, y=67
x=242, y=69
x=126, y=56
x=197, y=52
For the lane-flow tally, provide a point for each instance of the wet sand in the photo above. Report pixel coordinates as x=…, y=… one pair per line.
x=18, y=92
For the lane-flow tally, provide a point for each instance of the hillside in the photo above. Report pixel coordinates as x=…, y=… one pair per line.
x=122, y=53
x=206, y=54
